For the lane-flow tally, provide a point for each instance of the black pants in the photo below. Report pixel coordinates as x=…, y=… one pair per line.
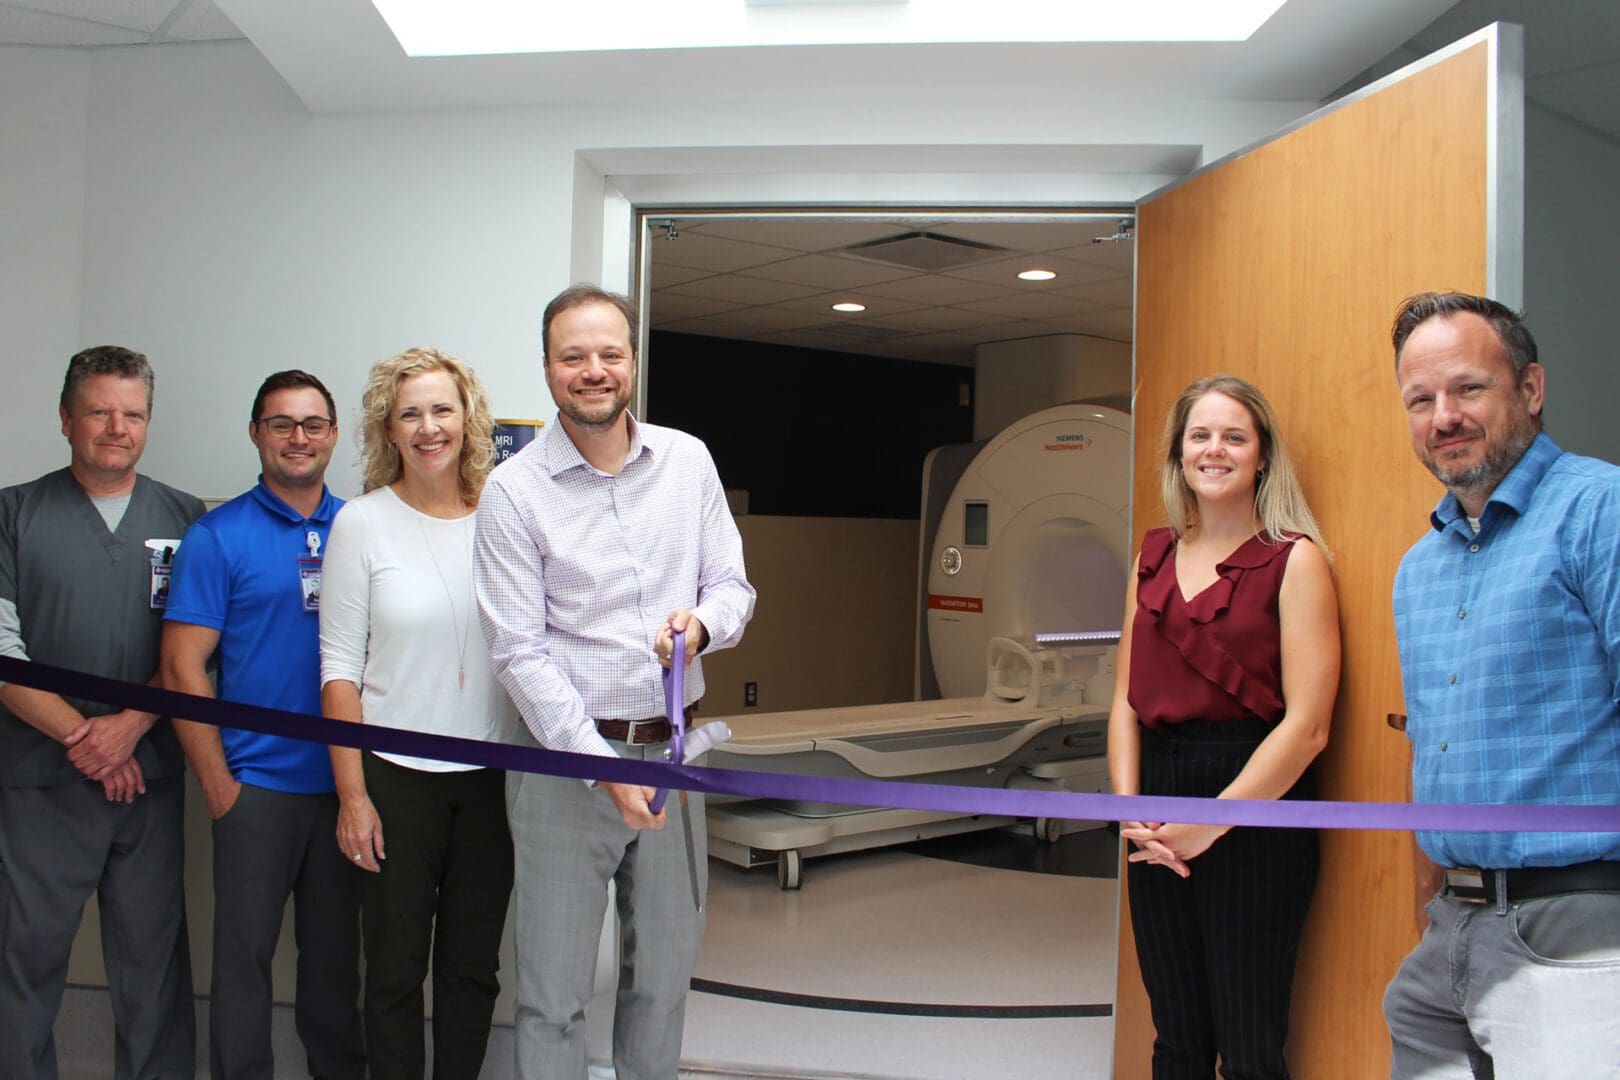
x=1217, y=949
x=443, y=890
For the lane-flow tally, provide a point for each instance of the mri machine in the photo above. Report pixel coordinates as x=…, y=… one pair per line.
x=1033, y=540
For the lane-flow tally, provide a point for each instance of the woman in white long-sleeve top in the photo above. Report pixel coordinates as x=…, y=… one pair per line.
x=401, y=647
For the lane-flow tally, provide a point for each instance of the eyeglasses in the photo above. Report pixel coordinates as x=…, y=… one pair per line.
x=316, y=427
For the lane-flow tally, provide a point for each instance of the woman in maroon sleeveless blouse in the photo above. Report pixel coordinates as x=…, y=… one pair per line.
x=1231, y=656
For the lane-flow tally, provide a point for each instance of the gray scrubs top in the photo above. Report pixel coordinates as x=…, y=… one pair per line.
x=83, y=601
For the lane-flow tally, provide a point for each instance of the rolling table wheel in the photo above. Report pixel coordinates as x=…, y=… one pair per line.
x=789, y=870
x=1048, y=830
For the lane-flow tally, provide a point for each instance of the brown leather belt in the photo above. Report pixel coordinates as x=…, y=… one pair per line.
x=638, y=732
x=1479, y=886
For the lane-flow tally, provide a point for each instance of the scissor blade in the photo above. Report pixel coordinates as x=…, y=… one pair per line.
x=691, y=851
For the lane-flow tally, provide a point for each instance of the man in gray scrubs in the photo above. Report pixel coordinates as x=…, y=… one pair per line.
x=91, y=796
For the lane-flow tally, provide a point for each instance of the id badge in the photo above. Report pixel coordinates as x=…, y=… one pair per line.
x=160, y=553
x=309, y=583
x=309, y=572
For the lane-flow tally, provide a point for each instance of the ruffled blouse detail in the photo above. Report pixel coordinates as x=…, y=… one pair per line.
x=1186, y=623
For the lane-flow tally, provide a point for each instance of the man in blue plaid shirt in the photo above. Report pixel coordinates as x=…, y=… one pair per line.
x=1508, y=618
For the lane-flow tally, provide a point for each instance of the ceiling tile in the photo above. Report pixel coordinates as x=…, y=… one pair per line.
x=667, y=307
x=830, y=272
x=876, y=307
x=1035, y=306
x=932, y=317
x=744, y=289
x=666, y=274
x=939, y=318
x=1116, y=292
x=936, y=289
x=1120, y=257
x=802, y=234
x=715, y=254
x=1028, y=236
x=747, y=322
x=860, y=331
x=1004, y=272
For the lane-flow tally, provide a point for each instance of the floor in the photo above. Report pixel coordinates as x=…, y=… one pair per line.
x=987, y=955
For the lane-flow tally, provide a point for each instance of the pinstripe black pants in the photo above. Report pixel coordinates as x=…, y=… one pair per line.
x=1217, y=949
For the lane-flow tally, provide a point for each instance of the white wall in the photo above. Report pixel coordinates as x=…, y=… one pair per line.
x=231, y=234
x=1014, y=378
x=1572, y=276
x=228, y=233
x=44, y=99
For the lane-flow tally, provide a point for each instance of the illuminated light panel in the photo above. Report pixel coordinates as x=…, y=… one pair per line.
x=474, y=27
x=1036, y=275
x=849, y=306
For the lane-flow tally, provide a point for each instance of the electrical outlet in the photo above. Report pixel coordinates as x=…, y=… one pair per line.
x=750, y=695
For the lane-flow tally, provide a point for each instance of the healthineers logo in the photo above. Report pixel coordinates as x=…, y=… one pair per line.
x=1069, y=442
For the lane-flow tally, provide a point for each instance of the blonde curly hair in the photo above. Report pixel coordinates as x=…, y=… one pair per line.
x=381, y=464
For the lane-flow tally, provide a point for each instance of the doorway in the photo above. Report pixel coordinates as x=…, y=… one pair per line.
x=821, y=355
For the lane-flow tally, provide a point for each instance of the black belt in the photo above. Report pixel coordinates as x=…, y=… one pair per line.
x=1479, y=886
x=638, y=732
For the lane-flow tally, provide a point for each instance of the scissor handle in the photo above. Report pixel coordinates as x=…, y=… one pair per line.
x=674, y=707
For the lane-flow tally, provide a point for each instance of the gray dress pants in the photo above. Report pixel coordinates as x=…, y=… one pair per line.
x=59, y=846
x=569, y=842
x=270, y=845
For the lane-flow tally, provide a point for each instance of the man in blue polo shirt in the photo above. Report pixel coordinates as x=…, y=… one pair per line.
x=1508, y=617
x=246, y=587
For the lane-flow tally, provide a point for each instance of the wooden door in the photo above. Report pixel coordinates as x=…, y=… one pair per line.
x=1285, y=265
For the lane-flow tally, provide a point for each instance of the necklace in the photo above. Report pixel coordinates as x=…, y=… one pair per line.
x=456, y=624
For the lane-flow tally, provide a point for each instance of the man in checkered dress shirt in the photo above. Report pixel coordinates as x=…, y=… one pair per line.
x=593, y=544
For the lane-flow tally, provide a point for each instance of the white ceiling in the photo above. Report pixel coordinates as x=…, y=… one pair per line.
x=339, y=56
x=775, y=279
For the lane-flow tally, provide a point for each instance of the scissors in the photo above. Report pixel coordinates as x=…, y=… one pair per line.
x=702, y=739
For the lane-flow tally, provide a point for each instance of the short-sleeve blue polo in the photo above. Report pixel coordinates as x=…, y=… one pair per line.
x=238, y=572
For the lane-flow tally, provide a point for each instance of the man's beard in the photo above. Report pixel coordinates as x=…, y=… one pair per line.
x=596, y=420
x=1498, y=461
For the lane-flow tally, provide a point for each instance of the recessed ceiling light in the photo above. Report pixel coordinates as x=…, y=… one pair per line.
x=849, y=305
x=1036, y=275
x=434, y=28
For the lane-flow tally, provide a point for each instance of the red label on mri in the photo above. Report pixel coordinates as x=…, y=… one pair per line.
x=939, y=602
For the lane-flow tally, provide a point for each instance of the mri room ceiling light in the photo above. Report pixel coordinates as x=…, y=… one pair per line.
x=471, y=27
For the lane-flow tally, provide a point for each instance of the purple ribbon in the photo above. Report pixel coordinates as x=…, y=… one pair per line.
x=675, y=708
x=1297, y=814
